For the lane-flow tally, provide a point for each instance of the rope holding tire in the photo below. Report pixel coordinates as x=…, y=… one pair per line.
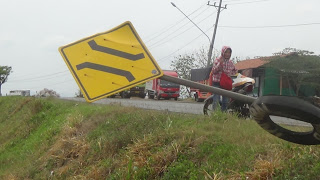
x=290, y=107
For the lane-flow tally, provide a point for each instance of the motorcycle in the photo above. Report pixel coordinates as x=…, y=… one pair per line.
x=241, y=84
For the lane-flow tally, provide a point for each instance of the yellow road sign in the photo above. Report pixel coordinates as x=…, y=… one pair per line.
x=110, y=62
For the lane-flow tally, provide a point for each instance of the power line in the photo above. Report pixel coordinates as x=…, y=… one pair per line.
x=153, y=46
x=170, y=27
x=68, y=81
x=249, y=2
x=182, y=47
x=272, y=26
x=166, y=37
x=39, y=77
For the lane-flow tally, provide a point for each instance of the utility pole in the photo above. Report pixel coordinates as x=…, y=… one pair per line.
x=215, y=29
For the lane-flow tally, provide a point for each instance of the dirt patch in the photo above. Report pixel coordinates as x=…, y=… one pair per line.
x=20, y=106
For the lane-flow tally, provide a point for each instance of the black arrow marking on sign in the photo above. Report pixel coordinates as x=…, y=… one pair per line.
x=107, y=50
x=107, y=69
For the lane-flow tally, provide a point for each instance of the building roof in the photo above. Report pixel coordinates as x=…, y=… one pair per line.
x=251, y=63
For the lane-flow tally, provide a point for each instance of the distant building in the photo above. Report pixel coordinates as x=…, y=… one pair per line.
x=19, y=93
x=268, y=80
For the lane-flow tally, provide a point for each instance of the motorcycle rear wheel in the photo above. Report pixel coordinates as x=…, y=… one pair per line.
x=207, y=108
x=233, y=107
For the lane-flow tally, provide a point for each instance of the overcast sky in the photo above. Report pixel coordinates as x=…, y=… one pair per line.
x=32, y=31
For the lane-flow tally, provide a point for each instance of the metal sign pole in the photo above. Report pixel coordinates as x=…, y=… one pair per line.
x=233, y=95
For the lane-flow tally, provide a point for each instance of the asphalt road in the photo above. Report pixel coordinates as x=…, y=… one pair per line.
x=176, y=106
x=167, y=105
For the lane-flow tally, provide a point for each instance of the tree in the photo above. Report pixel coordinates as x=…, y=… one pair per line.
x=201, y=57
x=299, y=67
x=4, y=73
x=289, y=50
x=184, y=63
x=79, y=94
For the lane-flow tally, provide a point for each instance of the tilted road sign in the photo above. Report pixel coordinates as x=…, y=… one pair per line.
x=110, y=62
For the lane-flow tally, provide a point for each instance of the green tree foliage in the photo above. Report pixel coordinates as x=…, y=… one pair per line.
x=289, y=50
x=298, y=67
x=4, y=73
x=79, y=94
x=184, y=63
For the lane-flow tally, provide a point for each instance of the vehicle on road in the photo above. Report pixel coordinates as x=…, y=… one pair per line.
x=241, y=84
x=137, y=91
x=158, y=88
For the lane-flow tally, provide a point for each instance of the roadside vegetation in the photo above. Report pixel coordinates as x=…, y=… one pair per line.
x=56, y=139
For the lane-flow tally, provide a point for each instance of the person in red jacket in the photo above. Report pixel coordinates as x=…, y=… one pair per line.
x=222, y=64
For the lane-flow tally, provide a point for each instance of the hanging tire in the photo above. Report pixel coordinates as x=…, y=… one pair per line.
x=290, y=107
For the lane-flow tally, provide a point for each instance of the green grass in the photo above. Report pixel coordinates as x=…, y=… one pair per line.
x=56, y=139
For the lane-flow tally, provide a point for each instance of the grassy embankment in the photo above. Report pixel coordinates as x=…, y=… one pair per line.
x=55, y=139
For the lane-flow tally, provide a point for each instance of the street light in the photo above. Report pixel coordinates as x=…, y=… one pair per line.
x=190, y=20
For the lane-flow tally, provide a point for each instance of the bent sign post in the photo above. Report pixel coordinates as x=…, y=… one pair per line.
x=116, y=60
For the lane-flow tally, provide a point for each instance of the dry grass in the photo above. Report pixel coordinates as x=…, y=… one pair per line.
x=68, y=151
x=264, y=167
x=20, y=106
x=143, y=153
x=215, y=176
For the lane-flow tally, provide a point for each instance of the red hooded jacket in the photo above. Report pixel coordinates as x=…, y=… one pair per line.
x=226, y=66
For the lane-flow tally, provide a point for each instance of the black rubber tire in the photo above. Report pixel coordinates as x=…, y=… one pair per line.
x=290, y=107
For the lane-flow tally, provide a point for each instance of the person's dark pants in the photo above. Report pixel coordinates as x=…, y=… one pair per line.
x=216, y=99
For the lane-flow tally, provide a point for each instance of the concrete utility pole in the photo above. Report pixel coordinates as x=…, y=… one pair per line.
x=215, y=29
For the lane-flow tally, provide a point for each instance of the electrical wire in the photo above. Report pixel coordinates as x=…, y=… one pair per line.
x=171, y=26
x=161, y=42
x=43, y=86
x=183, y=47
x=44, y=77
x=249, y=2
x=271, y=26
x=175, y=31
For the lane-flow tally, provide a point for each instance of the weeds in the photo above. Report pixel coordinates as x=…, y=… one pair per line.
x=54, y=139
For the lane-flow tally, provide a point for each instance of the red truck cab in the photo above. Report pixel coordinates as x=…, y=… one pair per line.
x=158, y=88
